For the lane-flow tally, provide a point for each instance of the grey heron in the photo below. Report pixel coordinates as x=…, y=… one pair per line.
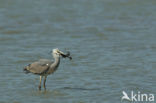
x=45, y=67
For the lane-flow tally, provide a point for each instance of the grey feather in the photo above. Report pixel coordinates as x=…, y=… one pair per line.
x=40, y=67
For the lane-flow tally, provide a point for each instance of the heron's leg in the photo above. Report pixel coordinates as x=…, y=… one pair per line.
x=39, y=87
x=45, y=82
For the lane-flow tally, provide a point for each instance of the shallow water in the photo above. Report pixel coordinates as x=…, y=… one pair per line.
x=113, y=45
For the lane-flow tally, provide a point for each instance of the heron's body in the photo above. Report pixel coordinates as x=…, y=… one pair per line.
x=45, y=67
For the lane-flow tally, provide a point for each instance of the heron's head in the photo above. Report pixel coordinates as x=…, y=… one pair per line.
x=60, y=53
x=56, y=51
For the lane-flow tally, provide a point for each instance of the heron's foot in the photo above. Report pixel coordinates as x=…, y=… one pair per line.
x=39, y=87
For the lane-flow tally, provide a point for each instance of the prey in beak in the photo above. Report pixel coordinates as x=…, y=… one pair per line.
x=67, y=55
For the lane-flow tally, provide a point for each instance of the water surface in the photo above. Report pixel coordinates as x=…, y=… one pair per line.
x=112, y=42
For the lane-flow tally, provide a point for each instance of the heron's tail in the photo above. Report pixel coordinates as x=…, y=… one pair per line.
x=26, y=70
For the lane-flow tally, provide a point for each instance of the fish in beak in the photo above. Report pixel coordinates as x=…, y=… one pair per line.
x=65, y=55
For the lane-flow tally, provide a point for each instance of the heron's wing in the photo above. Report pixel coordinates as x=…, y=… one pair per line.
x=39, y=67
x=45, y=62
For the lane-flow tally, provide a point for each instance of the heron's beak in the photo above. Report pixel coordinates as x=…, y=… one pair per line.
x=61, y=52
x=65, y=55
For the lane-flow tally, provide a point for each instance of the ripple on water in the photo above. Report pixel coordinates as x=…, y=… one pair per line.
x=112, y=51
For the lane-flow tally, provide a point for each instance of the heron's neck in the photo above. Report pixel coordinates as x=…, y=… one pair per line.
x=56, y=61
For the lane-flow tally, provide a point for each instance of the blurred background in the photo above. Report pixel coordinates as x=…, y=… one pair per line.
x=112, y=42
